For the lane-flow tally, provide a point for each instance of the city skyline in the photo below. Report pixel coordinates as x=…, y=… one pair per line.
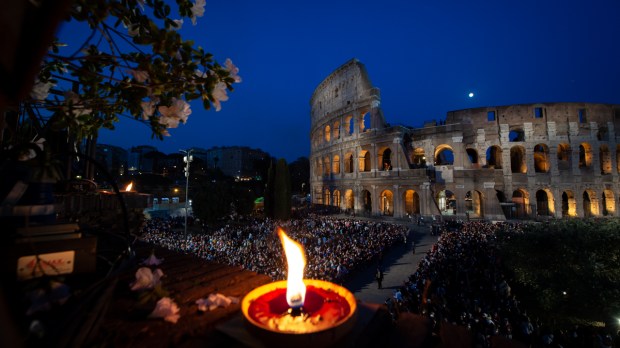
x=425, y=58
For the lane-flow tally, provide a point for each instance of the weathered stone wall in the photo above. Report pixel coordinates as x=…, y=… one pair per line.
x=543, y=160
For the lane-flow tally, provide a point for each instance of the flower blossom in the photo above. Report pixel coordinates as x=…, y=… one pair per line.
x=140, y=75
x=41, y=89
x=146, y=279
x=167, y=309
x=152, y=260
x=214, y=301
x=76, y=106
x=198, y=10
x=232, y=70
x=177, y=112
x=179, y=23
x=219, y=95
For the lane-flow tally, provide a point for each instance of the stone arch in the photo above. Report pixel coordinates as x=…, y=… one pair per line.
x=472, y=154
x=320, y=137
x=494, y=157
x=364, y=161
x=564, y=156
x=544, y=203
x=326, y=165
x=516, y=134
x=385, y=158
x=336, y=164
x=318, y=167
x=328, y=134
x=366, y=201
x=474, y=204
x=521, y=199
x=418, y=159
x=444, y=155
x=349, y=200
x=585, y=155
x=541, y=158
x=348, y=162
x=609, y=203
x=446, y=200
x=411, y=201
x=517, y=159
x=364, y=121
x=326, y=197
x=349, y=122
x=605, y=159
x=590, y=208
x=336, y=198
x=387, y=203
x=569, y=204
x=336, y=130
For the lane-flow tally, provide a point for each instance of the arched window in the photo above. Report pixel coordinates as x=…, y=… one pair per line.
x=336, y=130
x=336, y=198
x=350, y=124
x=349, y=200
x=521, y=199
x=585, y=155
x=446, y=200
x=367, y=201
x=541, y=158
x=327, y=197
x=364, y=122
x=385, y=159
x=472, y=154
x=605, y=159
x=348, y=163
x=336, y=164
x=412, y=202
x=609, y=203
x=516, y=135
x=328, y=134
x=544, y=203
x=364, y=161
x=569, y=204
x=494, y=157
x=564, y=157
x=326, y=165
x=444, y=156
x=418, y=159
x=473, y=203
x=517, y=160
x=387, y=203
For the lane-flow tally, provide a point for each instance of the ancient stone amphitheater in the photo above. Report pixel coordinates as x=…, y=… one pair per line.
x=528, y=161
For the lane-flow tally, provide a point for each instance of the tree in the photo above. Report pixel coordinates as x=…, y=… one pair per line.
x=300, y=174
x=282, y=191
x=269, y=191
x=134, y=63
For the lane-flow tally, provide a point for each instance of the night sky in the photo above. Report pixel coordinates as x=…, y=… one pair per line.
x=425, y=57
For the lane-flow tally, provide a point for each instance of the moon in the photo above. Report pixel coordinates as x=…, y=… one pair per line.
x=471, y=94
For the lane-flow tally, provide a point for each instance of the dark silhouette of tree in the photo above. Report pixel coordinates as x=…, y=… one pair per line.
x=269, y=191
x=300, y=174
x=282, y=191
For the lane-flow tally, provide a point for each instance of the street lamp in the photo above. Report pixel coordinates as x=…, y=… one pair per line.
x=187, y=159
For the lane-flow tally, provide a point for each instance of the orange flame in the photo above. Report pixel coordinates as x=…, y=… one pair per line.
x=296, y=260
x=129, y=187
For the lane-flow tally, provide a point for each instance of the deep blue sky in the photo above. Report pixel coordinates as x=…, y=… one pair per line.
x=424, y=56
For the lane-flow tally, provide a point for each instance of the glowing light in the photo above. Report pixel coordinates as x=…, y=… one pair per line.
x=129, y=187
x=471, y=94
x=296, y=262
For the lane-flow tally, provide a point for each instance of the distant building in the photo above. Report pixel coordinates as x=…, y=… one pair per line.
x=138, y=160
x=529, y=161
x=236, y=161
x=113, y=158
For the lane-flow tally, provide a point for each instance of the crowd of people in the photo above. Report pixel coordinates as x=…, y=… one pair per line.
x=334, y=247
x=460, y=281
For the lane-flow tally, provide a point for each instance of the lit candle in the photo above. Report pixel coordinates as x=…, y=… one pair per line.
x=299, y=311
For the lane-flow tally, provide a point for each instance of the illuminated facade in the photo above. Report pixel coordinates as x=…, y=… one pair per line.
x=546, y=160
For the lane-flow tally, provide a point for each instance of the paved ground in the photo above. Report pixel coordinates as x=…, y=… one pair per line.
x=398, y=264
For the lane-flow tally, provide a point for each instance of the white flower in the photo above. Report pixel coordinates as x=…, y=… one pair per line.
x=198, y=10
x=232, y=70
x=200, y=73
x=219, y=95
x=167, y=309
x=214, y=301
x=148, y=107
x=76, y=107
x=30, y=154
x=179, y=23
x=177, y=112
x=40, y=90
x=140, y=75
x=146, y=279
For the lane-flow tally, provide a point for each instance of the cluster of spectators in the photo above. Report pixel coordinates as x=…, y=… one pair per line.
x=334, y=246
x=460, y=281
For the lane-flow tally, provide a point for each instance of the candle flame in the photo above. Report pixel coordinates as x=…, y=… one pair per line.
x=296, y=260
x=129, y=187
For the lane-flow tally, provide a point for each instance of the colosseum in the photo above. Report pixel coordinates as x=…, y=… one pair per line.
x=527, y=161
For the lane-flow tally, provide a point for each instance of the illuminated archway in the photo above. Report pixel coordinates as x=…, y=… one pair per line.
x=473, y=203
x=327, y=197
x=336, y=130
x=412, y=202
x=521, y=199
x=348, y=162
x=385, y=159
x=564, y=157
x=541, y=158
x=609, y=203
x=605, y=159
x=569, y=204
x=336, y=164
x=494, y=157
x=590, y=206
x=328, y=134
x=444, y=155
x=544, y=203
x=517, y=160
x=349, y=200
x=387, y=203
x=418, y=159
x=364, y=161
x=366, y=201
x=326, y=165
x=446, y=200
x=585, y=155
x=336, y=198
